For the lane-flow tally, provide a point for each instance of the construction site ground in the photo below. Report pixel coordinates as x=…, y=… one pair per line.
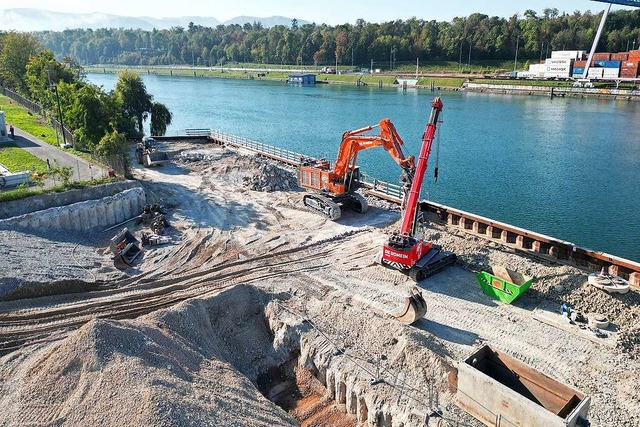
x=255, y=293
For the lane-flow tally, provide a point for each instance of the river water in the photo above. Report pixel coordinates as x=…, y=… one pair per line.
x=568, y=168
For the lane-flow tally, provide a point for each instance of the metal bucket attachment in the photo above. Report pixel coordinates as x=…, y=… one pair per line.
x=156, y=158
x=124, y=246
x=414, y=308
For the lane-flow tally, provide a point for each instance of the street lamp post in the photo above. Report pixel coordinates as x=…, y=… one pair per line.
x=515, y=61
x=391, y=53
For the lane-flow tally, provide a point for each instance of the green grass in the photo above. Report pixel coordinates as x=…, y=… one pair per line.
x=17, y=160
x=20, y=117
x=23, y=191
x=442, y=81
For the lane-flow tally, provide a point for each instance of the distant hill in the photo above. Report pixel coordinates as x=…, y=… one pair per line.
x=23, y=19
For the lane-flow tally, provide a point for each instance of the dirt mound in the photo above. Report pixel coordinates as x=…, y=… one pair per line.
x=190, y=365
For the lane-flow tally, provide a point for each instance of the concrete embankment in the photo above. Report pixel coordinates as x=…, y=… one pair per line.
x=51, y=200
x=84, y=215
x=616, y=94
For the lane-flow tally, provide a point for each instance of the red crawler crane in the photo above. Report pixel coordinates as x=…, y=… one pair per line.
x=405, y=250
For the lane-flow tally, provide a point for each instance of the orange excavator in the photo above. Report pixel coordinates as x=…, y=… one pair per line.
x=406, y=249
x=335, y=187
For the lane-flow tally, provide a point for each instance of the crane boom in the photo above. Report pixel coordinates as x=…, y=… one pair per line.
x=408, y=222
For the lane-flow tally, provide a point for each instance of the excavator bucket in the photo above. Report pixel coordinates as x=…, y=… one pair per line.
x=414, y=308
x=124, y=246
x=156, y=158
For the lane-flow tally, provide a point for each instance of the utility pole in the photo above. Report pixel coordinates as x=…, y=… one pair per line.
x=417, y=66
x=515, y=61
x=460, y=60
x=371, y=69
x=469, y=63
x=50, y=87
x=64, y=137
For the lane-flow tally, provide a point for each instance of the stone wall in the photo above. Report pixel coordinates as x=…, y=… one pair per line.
x=86, y=215
x=46, y=201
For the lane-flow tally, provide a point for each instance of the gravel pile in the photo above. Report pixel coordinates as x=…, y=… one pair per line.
x=192, y=365
x=44, y=258
x=270, y=177
x=379, y=203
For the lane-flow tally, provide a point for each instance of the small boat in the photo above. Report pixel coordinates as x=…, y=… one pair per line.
x=609, y=282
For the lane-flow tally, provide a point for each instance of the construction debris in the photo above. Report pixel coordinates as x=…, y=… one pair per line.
x=270, y=177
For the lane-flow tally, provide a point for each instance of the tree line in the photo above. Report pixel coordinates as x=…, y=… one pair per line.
x=485, y=37
x=101, y=122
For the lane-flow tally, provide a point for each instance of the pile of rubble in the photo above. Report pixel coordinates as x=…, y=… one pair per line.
x=270, y=177
x=191, y=156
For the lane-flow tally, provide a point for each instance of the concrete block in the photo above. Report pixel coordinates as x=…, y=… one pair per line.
x=352, y=401
x=537, y=246
x=634, y=279
x=451, y=220
x=554, y=251
x=504, y=236
x=363, y=411
x=479, y=228
x=520, y=241
x=614, y=269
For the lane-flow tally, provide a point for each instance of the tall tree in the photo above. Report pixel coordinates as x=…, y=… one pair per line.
x=16, y=51
x=133, y=98
x=160, y=118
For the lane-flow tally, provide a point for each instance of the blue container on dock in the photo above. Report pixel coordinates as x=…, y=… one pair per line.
x=607, y=64
x=577, y=71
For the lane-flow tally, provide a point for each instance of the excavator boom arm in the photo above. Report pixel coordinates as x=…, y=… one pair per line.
x=353, y=142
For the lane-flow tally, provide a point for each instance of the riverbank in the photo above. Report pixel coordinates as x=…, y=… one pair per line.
x=569, y=92
x=435, y=82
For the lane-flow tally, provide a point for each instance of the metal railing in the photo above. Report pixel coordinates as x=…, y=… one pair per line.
x=391, y=191
x=286, y=156
x=32, y=106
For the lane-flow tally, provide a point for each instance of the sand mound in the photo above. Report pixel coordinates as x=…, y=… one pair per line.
x=183, y=366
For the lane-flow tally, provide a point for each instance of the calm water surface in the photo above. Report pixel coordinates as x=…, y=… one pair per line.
x=563, y=167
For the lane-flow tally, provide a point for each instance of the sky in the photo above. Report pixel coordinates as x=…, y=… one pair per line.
x=331, y=12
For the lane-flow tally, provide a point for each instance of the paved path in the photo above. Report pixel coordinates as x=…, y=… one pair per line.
x=82, y=169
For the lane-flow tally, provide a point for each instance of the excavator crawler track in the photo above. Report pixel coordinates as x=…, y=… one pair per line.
x=323, y=205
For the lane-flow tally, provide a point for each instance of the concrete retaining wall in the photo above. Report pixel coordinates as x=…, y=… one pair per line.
x=85, y=215
x=46, y=201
